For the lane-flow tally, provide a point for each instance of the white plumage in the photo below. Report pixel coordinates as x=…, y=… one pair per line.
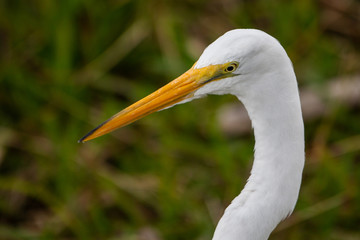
x=254, y=67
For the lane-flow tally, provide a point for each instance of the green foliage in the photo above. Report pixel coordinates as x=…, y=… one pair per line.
x=65, y=66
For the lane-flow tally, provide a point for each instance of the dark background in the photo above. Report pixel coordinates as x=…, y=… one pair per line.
x=66, y=66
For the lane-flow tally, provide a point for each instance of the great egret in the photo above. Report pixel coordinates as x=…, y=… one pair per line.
x=254, y=67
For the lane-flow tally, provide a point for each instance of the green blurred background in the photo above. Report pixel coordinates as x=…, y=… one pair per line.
x=66, y=66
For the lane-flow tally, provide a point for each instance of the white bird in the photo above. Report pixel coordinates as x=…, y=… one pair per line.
x=254, y=67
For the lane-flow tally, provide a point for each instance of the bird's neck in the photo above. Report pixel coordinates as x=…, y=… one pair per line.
x=272, y=189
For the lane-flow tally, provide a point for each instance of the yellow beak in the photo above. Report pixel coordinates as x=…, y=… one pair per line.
x=179, y=89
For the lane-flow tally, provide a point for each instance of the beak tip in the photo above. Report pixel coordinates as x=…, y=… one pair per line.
x=90, y=134
x=83, y=139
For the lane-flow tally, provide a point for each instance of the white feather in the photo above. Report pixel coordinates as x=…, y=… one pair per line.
x=267, y=86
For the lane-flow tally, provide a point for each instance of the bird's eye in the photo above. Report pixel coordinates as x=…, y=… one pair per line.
x=231, y=67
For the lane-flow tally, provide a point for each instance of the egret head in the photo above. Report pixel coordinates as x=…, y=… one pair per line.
x=231, y=64
x=256, y=53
